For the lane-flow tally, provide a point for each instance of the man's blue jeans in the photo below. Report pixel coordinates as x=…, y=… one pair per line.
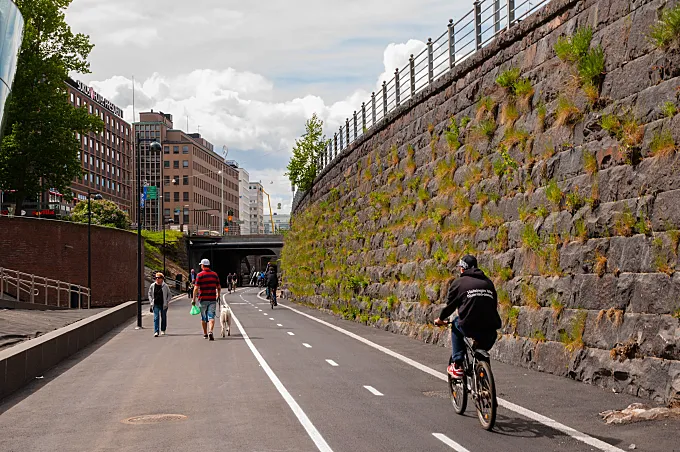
x=158, y=311
x=458, y=341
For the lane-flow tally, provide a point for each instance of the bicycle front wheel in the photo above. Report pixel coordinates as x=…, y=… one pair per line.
x=486, y=395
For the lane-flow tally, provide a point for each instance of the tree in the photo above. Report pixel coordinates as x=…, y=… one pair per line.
x=104, y=213
x=302, y=168
x=40, y=148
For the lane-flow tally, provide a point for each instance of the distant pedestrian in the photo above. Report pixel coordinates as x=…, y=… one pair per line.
x=159, y=298
x=192, y=276
x=207, y=291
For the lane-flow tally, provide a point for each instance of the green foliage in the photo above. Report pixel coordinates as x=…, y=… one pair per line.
x=662, y=144
x=530, y=296
x=531, y=239
x=40, y=148
x=506, y=274
x=505, y=165
x=508, y=78
x=611, y=124
x=556, y=305
x=625, y=223
x=574, y=201
x=485, y=107
x=392, y=302
x=513, y=316
x=452, y=135
x=538, y=336
x=423, y=194
x=572, y=49
x=676, y=313
x=589, y=61
x=523, y=87
x=567, y=112
x=541, y=211
x=667, y=30
x=302, y=167
x=591, y=67
x=589, y=162
x=440, y=256
x=554, y=193
x=465, y=120
x=487, y=128
x=573, y=340
x=104, y=213
x=669, y=109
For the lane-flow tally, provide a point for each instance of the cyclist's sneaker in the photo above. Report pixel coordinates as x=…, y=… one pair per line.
x=455, y=371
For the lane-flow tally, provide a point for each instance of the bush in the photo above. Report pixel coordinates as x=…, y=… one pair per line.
x=669, y=109
x=554, y=193
x=572, y=49
x=508, y=78
x=667, y=29
x=662, y=144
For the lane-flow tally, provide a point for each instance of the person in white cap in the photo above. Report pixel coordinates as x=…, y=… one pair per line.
x=207, y=291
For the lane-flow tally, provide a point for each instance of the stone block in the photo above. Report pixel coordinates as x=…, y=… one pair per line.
x=666, y=210
x=630, y=254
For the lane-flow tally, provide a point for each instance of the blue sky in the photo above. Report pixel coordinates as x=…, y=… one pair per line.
x=251, y=73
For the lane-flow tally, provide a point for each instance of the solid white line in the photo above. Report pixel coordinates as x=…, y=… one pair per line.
x=332, y=363
x=307, y=345
x=449, y=442
x=313, y=433
x=278, y=324
x=291, y=334
x=580, y=436
x=374, y=391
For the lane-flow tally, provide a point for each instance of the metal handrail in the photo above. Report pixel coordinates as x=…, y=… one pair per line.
x=29, y=287
x=463, y=38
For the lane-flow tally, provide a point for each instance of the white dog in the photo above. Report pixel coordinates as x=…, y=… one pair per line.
x=225, y=318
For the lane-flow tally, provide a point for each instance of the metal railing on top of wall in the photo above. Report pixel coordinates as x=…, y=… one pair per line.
x=462, y=39
x=39, y=290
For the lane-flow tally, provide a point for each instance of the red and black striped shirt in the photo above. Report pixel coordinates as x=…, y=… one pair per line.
x=207, y=282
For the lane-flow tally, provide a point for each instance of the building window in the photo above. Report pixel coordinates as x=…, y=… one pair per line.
x=166, y=180
x=166, y=149
x=175, y=149
x=175, y=164
x=185, y=196
x=186, y=215
x=185, y=149
x=185, y=164
x=176, y=196
x=166, y=164
x=73, y=98
x=185, y=180
x=166, y=196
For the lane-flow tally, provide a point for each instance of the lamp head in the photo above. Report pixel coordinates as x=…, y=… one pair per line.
x=155, y=146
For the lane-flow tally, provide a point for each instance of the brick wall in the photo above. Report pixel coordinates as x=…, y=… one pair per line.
x=58, y=250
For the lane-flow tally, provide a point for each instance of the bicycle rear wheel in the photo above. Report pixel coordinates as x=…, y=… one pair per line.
x=486, y=395
x=458, y=391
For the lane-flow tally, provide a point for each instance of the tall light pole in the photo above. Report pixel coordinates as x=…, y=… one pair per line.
x=222, y=199
x=97, y=196
x=154, y=146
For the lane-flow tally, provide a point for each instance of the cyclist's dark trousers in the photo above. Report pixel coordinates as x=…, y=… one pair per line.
x=458, y=341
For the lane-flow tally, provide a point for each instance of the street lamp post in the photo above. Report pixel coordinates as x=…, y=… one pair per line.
x=154, y=146
x=222, y=199
x=97, y=196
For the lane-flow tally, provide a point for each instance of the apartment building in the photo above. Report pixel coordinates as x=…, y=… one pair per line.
x=244, y=200
x=256, y=195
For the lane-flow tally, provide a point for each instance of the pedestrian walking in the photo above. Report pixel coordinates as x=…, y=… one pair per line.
x=207, y=291
x=159, y=298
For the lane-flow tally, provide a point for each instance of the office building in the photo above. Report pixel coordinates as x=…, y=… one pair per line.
x=12, y=25
x=281, y=223
x=256, y=195
x=244, y=200
x=196, y=187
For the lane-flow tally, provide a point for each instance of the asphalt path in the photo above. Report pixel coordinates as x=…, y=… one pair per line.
x=295, y=379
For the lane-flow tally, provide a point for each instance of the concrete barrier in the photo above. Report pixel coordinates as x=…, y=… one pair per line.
x=25, y=361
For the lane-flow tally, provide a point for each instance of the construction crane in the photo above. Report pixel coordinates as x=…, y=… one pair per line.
x=271, y=215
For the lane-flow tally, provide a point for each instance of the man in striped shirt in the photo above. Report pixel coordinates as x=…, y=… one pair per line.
x=207, y=291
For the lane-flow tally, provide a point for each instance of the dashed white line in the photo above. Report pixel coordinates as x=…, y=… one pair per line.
x=313, y=433
x=580, y=436
x=332, y=363
x=373, y=391
x=290, y=333
x=271, y=318
x=449, y=442
x=278, y=324
x=306, y=345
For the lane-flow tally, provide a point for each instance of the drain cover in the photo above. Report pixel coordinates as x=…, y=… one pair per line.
x=154, y=418
x=438, y=394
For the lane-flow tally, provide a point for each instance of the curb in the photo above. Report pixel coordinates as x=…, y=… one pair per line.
x=24, y=362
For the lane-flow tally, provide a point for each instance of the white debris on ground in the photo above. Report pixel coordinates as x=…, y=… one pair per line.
x=638, y=412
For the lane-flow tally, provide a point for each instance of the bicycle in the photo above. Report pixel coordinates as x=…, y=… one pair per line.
x=272, y=299
x=478, y=380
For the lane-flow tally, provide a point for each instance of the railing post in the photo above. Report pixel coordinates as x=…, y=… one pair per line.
x=89, y=297
x=363, y=117
x=511, y=13
x=478, y=24
x=32, y=288
x=59, y=294
x=373, y=107
x=384, y=99
x=430, y=61
x=452, y=45
x=397, y=91
x=347, y=130
x=340, y=135
x=412, y=75
x=497, y=15
x=355, y=124
x=335, y=143
x=18, y=286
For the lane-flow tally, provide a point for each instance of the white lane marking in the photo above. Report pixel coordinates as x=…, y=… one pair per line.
x=291, y=333
x=580, y=436
x=265, y=313
x=260, y=310
x=449, y=442
x=313, y=433
x=278, y=324
x=271, y=318
x=307, y=345
x=373, y=391
x=332, y=363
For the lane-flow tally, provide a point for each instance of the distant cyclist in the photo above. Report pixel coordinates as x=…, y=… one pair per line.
x=272, y=283
x=474, y=295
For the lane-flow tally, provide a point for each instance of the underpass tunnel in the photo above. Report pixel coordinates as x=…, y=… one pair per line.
x=243, y=262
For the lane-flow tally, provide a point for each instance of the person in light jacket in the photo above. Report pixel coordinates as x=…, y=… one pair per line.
x=159, y=298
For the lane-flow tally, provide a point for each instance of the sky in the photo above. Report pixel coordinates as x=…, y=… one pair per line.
x=249, y=74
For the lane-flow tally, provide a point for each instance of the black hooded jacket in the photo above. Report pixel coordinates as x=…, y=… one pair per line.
x=474, y=295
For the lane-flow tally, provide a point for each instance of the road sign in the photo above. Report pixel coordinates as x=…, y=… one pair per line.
x=142, y=198
x=151, y=192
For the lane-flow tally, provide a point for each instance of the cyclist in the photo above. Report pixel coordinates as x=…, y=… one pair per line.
x=272, y=283
x=474, y=295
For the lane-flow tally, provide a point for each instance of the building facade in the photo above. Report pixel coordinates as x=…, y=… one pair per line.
x=256, y=195
x=11, y=30
x=244, y=200
x=195, y=187
x=106, y=156
x=281, y=223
